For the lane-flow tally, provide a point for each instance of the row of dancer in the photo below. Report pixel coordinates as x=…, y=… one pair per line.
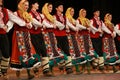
x=54, y=40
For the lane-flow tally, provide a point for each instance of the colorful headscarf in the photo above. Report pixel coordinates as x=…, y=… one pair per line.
x=84, y=21
x=47, y=14
x=107, y=22
x=24, y=14
x=68, y=15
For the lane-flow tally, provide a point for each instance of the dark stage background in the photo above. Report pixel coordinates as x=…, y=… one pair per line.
x=105, y=6
x=111, y=6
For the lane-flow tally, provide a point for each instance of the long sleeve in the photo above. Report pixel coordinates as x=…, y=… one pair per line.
x=2, y=25
x=60, y=25
x=47, y=24
x=105, y=29
x=10, y=25
x=93, y=29
x=36, y=23
x=16, y=19
x=79, y=26
x=116, y=28
x=70, y=25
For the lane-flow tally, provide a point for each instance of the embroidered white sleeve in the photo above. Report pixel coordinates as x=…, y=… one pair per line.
x=16, y=19
x=10, y=25
x=2, y=25
x=93, y=29
x=79, y=26
x=47, y=25
x=59, y=25
x=114, y=33
x=36, y=23
x=105, y=29
x=70, y=25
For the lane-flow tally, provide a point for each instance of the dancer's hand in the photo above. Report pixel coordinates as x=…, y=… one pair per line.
x=28, y=25
x=5, y=28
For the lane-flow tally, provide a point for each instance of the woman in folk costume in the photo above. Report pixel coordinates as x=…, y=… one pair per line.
x=109, y=48
x=60, y=33
x=23, y=53
x=86, y=48
x=6, y=16
x=96, y=38
x=37, y=38
x=117, y=39
x=74, y=48
x=55, y=54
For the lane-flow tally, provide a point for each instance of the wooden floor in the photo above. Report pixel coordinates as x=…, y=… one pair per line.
x=95, y=75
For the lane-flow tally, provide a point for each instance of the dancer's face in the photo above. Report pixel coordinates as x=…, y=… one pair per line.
x=50, y=7
x=35, y=6
x=72, y=12
x=26, y=5
x=84, y=13
x=1, y=2
x=60, y=8
x=97, y=13
x=110, y=17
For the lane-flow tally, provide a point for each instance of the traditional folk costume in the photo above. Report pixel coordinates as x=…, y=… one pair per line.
x=74, y=47
x=96, y=38
x=55, y=54
x=109, y=48
x=38, y=41
x=86, y=47
x=84, y=38
x=6, y=17
x=23, y=53
x=60, y=33
x=117, y=30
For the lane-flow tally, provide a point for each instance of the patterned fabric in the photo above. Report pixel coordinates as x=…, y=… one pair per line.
x=55, y=54
x=28, y=58
x=109, y=49
x=86, y=47
x=77, y=57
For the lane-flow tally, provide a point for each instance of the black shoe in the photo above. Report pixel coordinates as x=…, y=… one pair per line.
x=47, y=74
x=115, y=70
x=61, y=68
x=101, y=69
x=69, y=70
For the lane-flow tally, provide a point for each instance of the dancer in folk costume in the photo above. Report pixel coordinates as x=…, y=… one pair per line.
x=74, y=47
x=6, y=16
x=60, y=33
x=117, y=39
x=38, y=40
x=23, y=53
x=109, y=48
x=96, y=38
x=55, y=54
x=86, y=48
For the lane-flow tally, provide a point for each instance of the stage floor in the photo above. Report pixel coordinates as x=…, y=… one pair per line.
x=95, y=75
